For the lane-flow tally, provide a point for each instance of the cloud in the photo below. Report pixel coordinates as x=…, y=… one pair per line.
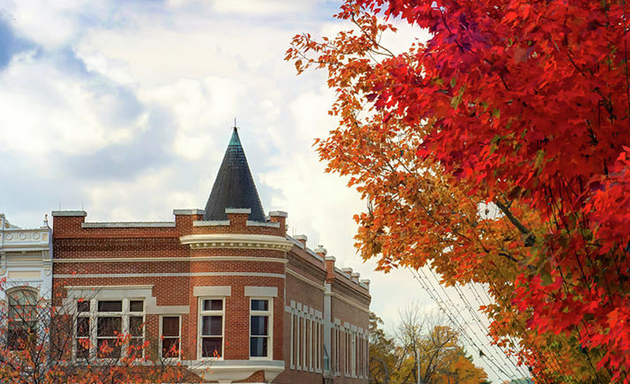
x=45, y=109
x=53, y=24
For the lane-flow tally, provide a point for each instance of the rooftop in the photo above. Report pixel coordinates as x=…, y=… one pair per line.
x=234, y=186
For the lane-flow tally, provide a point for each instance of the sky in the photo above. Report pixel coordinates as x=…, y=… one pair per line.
x=125, y=108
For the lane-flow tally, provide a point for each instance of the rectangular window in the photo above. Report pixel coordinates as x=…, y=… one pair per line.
x=22, y=329
x=101, y=324
x=353, y=352
x=260, y=328
x=333, y=348
x=309, y=344
x=171, y=337
x=212, y=314
x=298, y=345
x=292, y=343
x=305, y=344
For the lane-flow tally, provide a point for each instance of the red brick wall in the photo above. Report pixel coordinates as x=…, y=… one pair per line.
x=71, y=241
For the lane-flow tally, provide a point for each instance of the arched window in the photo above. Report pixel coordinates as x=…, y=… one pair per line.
x=22, y=321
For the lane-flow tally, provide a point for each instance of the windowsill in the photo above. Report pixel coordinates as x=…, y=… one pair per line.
x=171, y=359
x=257, y=358
x=210, y=359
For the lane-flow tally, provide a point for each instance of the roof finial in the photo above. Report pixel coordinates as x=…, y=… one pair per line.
x=235, y=125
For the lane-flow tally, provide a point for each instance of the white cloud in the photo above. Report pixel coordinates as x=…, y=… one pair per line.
x=44, y=109
x=51, y=24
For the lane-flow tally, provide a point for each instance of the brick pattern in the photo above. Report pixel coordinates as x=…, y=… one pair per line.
x=71, y=241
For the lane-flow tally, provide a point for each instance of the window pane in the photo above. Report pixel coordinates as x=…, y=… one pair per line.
x=170, y=326
x=135, y=325
x=211, y=347
x=170, y=347
x=83, y=348
x=259, y=326
x=107, y=348
x=260, y=305
x=136, y=346
x=212, y=325
x=213, y=305
x=19, y=337
x=258, y=346
x=83, y=326
x=109, y=326
x=22, y=296
x=110, y=306
x=83, y=306
x=136, y=305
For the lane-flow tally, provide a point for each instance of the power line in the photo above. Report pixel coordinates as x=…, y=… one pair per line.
x=434, y=295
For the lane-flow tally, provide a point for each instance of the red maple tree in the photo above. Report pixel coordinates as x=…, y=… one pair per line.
x=522, y=105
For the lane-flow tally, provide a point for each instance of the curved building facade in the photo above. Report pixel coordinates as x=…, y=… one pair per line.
x=223, y=291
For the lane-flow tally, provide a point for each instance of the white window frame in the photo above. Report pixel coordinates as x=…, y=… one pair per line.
x=298, y=341
x=269, y=314
x=179, y=357
x=353, y=354
x=93, y=314
x=200, y=314
x=291, y=358
x=309, y=343
x=20, y=323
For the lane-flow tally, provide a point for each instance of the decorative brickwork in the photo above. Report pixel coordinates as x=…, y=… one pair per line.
x=252, y=304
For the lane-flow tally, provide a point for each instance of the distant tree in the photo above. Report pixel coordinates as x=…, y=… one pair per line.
x=382, y=356
x=420, y=337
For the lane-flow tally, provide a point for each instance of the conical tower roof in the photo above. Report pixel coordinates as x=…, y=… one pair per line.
x=234, y=186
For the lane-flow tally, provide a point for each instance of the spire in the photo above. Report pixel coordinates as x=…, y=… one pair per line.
x=234, y=186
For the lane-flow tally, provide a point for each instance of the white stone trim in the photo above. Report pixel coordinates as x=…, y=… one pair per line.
x=315, y=255
x=183, y=274
x=305, y=279
x=211, y=223
x=238, y=210
x=104, y=292
x=120, y=292
x=246, y=241
x=137, y=224
x=321, y=250
x=170, y=259
x=223, y=291
x=167, y=309
x=188, y=212
x=250, y=223
x=343, y=273
x=25, y=275
x=296, y=242
x=261, y=291
x=227, y=371
x=278, y=214
x=69, y=213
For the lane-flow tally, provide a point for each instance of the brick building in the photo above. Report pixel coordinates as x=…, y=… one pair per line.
x=224, y=288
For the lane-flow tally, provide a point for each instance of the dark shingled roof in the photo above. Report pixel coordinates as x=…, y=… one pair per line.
x=234, y=186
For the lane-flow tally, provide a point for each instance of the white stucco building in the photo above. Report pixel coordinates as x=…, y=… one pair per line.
x=25, y=259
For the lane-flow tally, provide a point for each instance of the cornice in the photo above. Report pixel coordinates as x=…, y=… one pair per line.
x=170, y=259
x=247, y=241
